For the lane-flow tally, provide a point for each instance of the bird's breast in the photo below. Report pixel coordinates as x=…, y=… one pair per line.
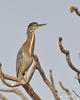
x=27, y=61
x=30, y=44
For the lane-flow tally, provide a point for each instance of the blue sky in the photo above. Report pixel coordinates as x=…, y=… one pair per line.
x=16, y=15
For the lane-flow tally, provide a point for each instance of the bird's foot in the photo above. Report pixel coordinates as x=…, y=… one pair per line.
x=25, y=75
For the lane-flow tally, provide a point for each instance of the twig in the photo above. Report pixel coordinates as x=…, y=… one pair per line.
x=33, y=69
x=51, y=77
x=78, y=77
x=75, y=9
x=52, y=81
x=18, y=92
x=26, y=86
x=8, y=77
x=22, y=82
x=66, y=90
x=3, y=97
x=76, y=94
x=5, y=82
x=39, y=68
x=66, y=52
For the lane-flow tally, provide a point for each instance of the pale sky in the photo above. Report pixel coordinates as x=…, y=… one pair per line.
x=15, y=17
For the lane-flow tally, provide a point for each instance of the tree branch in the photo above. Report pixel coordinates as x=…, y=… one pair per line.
x=75, y=9
x=78, y=77
x=76, y=94
x=18, y=92
x=33, y=69
x=52, y=81
x=66, y=52
x=31, y=92
x=5, y=82
x=26, y=86
x=66, y=90
x=3, y=97
x=39, y=68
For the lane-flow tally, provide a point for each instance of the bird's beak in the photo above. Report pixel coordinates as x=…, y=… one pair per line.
x=41, y=25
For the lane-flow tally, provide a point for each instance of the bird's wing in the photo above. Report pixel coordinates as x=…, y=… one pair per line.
x=19, y=60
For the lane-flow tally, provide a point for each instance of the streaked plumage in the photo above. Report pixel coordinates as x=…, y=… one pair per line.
x=26, y=52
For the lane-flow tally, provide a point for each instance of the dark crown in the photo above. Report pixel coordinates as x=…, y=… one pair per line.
x=32, y=24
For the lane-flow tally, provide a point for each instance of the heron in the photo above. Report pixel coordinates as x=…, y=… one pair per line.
x=26, y=53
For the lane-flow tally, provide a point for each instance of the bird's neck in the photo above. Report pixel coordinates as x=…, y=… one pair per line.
x=31, y=42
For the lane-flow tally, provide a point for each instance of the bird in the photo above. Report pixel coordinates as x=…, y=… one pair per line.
x=26, y=53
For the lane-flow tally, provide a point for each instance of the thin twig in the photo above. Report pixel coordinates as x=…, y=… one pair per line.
x=6, y=83
x=33, y=69
x=52, y=81
x=75, y=9
x=17, y=91
x=66, y=90
x=78, y=77
x=39, y=68
x=66, y=52
x=51, y=77
x=12, y=78
x=2, y=97
x=76, y=94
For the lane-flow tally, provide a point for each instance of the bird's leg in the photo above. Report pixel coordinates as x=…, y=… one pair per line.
x=20, y=76
x=26, y=75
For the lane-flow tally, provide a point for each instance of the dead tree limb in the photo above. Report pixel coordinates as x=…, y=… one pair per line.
x=67, y=53
x=16, y=91
x=76, y=94
x=21, y=82
x=75, y=9
x=2, y=97
x=66, y=90
x=39, y=68
x=52, y=81
x=5, y=82
x=26, y=86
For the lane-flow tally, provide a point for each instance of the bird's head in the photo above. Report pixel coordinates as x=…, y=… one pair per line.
x=33, y=26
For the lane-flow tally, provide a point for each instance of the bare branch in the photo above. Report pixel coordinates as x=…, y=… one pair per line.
x=22, y=82
x=39, y=68
x=31, y=92
x=8, y=77
x=66, y=90
x=5, y=82
x=33, y=69
x=18, y=92
x=66, y=52
x=26, y=86
x=76, y=94
x=52, y=81
x=75, y=9
x=3, y=97
x=78, y=77
x=51, y=77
